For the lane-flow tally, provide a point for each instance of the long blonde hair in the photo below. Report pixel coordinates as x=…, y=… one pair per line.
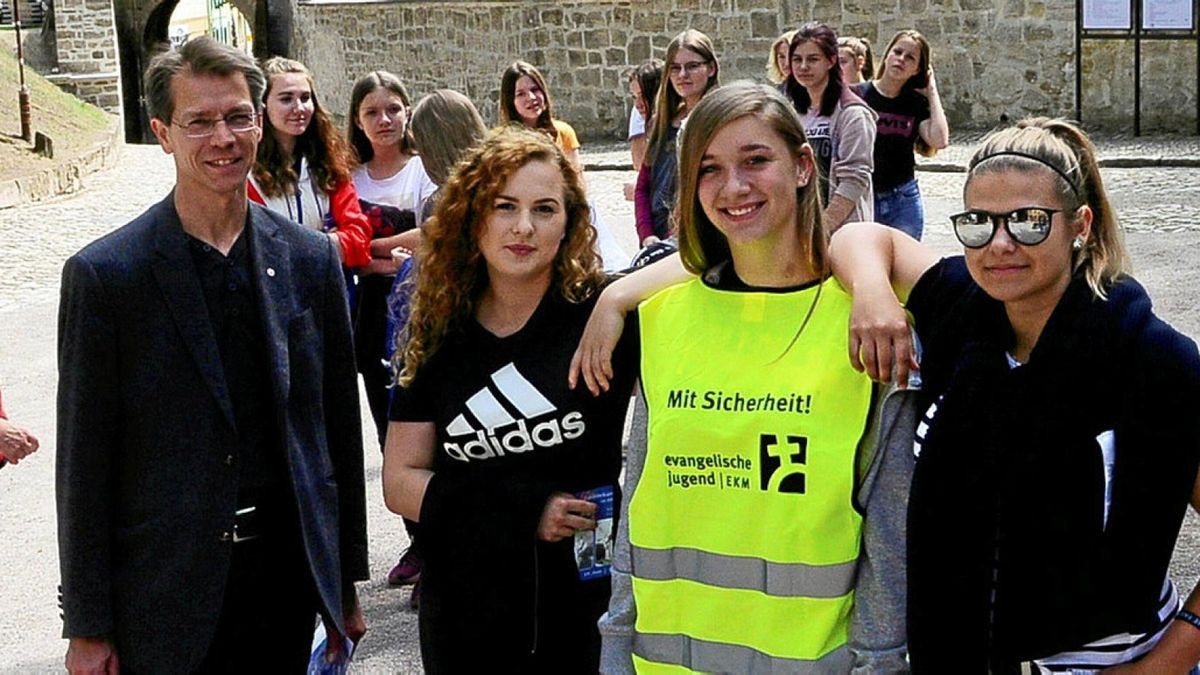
x=445, y=124
x=701, y=245
x=774, y=74
x=453, y=273
x=1062, y=147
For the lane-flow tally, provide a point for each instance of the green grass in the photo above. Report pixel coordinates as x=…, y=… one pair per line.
x=73, y=125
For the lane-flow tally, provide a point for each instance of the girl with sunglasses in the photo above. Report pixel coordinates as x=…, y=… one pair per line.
x=1058, y=449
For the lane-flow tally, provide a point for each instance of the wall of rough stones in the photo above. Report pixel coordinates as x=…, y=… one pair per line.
x=993, y=58
x=86, y=42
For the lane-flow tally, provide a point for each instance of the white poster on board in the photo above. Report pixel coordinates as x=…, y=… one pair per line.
x=1167, y=14
x=1107, y=14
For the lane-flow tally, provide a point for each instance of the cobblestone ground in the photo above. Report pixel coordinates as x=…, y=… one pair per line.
x=1159, y=207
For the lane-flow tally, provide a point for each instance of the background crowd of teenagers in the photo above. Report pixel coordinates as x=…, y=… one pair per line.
x=752, y=181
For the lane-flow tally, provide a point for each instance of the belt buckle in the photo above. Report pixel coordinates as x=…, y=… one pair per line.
x=243, y=514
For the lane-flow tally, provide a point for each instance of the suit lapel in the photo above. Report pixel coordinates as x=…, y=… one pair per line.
x=273, y=282
x=176, y=274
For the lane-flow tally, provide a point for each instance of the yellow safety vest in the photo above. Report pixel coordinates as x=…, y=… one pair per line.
x=744, y=536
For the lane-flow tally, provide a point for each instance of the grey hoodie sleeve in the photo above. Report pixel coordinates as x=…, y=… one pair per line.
x=878, y=629
x=854, y=158
x=616, y=626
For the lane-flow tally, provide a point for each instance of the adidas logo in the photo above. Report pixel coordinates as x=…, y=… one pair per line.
x=502, y=432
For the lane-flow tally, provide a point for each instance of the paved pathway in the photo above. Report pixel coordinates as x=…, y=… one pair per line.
x=1160, y=206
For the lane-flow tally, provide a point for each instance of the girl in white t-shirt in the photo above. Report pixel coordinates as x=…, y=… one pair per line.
x=392, y=187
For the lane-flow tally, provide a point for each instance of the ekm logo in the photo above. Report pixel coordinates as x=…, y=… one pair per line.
x=791, y=458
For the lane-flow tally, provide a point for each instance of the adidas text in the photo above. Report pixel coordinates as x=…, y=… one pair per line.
x=518, y=439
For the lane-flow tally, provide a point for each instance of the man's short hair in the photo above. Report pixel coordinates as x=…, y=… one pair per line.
x=198, y=56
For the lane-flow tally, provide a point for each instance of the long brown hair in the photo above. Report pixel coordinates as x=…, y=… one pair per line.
x=918, y=81
x=379, y=79
x=701, y=244
x=669, y=101
x=825, y=39
x=320, y=144
x=453, y=273
x=508, y=95
x=1065, y=150
x=447, y=124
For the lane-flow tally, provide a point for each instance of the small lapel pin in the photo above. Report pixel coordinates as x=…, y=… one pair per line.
x=270, y=271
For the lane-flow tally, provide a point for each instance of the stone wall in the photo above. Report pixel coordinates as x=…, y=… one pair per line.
x=993, y=58
x=86, y=41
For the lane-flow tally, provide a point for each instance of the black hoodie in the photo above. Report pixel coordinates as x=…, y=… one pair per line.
x=1011, y=554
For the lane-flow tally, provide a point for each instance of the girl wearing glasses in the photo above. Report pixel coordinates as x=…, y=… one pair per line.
x=746, y=501
x=905, y=96
x=839, y=126
x=691, y=71
x=1059, y=448
x=302, y=168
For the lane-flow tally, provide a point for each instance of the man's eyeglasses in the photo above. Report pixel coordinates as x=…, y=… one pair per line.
x=238, y=123
x=1028, y=226
x=691, y=67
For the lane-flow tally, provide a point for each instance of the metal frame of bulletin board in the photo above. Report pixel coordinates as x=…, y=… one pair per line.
x=1135, y=20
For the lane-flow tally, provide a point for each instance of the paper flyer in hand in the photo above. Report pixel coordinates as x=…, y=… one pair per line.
x=593, y=548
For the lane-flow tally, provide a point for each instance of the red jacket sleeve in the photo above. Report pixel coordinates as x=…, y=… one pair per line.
x=353, y=230
x=642, y=196
x=2, y=415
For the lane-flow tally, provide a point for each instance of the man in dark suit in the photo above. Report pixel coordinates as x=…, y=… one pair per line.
x=210, y=473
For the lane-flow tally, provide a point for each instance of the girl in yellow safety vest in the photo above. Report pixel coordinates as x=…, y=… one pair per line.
x=742, y=549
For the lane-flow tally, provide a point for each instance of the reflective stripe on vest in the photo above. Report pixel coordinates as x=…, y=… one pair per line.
x=744, y=536
x=651, y=651
x=752, y=574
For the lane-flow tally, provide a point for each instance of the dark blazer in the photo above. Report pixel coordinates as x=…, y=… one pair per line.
x=146, y=481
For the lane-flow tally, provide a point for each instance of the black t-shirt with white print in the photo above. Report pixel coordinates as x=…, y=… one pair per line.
x=509, y=432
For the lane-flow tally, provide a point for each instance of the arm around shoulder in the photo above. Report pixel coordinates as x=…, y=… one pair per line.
x=593, y=358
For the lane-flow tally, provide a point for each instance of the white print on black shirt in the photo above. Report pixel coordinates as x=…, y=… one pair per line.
x=502, y=433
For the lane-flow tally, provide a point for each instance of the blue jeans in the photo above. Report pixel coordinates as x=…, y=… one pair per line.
x=901, y=208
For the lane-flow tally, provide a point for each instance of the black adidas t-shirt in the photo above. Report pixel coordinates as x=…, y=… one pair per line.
x=502, y=403
x=509, y=434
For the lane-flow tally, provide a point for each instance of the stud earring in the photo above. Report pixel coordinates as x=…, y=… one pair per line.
x=1077, y=244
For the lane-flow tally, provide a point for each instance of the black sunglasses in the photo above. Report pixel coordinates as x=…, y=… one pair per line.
x=1028, y=226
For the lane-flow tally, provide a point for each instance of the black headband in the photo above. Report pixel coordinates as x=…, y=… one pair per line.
x=1039, y=160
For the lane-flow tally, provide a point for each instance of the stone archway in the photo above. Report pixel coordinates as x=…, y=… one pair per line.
x=142, y=33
